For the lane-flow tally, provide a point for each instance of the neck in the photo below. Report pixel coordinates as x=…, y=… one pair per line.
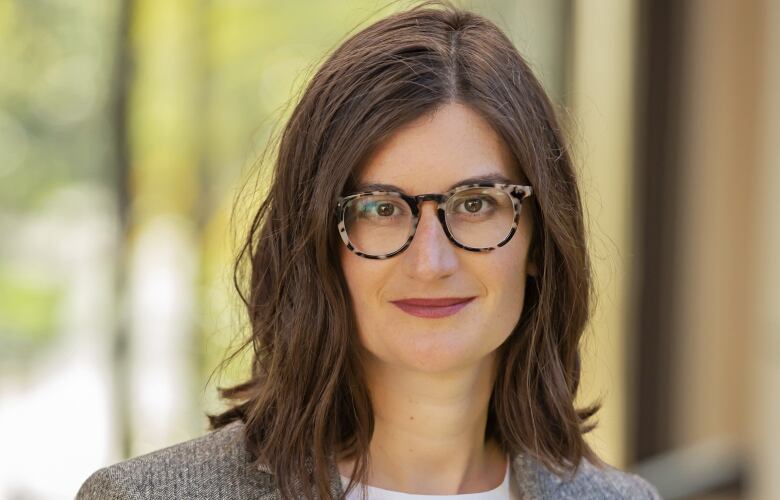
x=429, y=430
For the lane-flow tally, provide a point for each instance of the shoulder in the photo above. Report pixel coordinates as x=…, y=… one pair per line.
x=588, y=482
x=215, y=465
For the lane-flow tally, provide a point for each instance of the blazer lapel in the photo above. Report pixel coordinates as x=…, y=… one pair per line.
x=336, y=488
x=526, y=474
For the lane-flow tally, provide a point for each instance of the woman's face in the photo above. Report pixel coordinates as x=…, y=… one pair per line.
x=429, y=156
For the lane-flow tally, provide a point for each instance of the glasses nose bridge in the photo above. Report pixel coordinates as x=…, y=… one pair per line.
x=420, y=198
x=437, y=198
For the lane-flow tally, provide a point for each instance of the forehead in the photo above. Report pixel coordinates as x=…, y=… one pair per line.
x=438, y=151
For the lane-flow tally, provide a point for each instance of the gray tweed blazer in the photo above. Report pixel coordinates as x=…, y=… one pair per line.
x=217, y=466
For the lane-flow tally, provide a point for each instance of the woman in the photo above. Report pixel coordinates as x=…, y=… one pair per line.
x=419, y=286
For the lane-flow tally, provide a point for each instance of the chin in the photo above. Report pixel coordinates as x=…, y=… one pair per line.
x=437, y=357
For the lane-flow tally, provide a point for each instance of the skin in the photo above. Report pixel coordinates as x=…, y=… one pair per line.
x=430, y=379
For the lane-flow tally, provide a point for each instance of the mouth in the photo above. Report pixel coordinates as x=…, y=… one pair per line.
x=433, y=308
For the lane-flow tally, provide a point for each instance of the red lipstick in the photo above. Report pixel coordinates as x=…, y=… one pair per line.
x=433, y=308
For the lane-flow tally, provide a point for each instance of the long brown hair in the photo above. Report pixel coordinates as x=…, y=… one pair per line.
x=305, y=402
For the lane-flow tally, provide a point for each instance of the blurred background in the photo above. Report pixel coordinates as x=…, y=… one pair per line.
x=130, y=131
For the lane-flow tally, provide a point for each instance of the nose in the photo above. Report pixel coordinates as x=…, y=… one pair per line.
x=430, y=255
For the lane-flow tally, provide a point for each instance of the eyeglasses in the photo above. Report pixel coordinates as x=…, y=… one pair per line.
x=475, y=217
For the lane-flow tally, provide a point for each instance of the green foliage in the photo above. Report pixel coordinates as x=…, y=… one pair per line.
x=28, y=313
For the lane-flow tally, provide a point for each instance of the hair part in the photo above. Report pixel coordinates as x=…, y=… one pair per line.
x=305, y=402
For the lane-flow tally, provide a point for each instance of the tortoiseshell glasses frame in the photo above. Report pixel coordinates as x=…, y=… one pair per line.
x=517, y=193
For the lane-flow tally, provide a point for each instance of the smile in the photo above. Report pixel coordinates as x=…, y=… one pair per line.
x=431, y=311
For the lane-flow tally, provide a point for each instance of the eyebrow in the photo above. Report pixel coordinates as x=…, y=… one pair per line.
x=493, y=178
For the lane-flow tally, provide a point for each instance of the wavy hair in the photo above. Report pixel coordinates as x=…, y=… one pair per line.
x=305, y=402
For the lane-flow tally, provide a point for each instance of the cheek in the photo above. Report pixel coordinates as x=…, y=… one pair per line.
x=351, y=268
x=509, y=289
x=507, y=280
x=362, y=277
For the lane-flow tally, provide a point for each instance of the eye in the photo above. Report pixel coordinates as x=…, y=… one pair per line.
x=380, y=207
x=474, y=204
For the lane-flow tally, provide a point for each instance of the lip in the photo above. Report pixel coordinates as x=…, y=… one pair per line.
x=433, y=308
